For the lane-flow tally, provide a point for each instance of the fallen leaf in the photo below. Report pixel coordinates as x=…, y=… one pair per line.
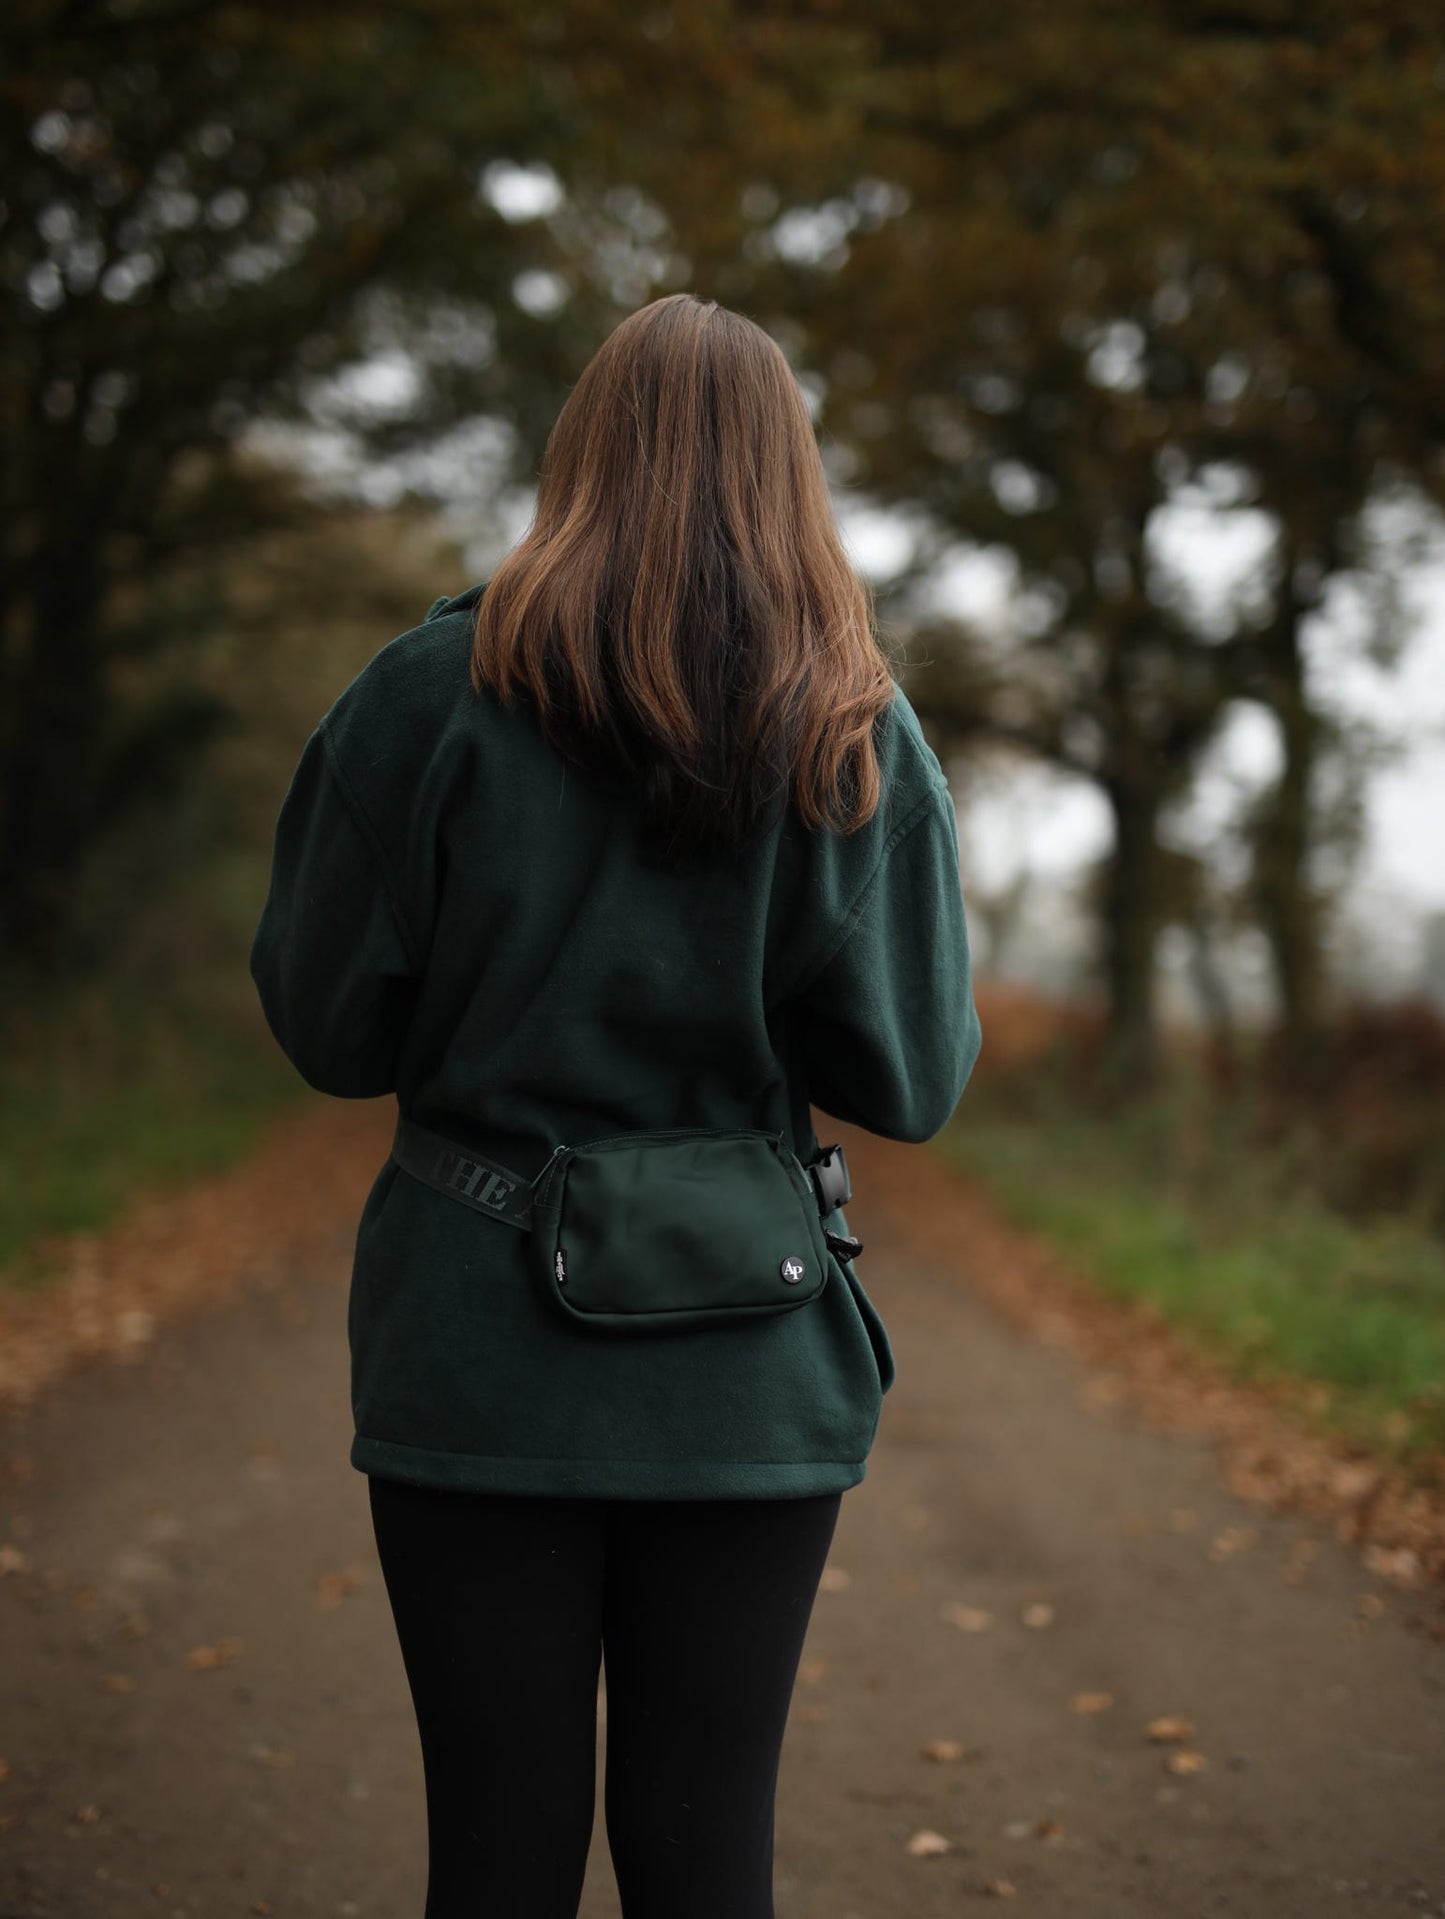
x=1038, y=1615
x=117, y=1682
x=812, y=1670
x=87, y=1815
x=1400, y=1564
x=942, y=1749
x=967, y=1618
x=12, y=1560
x=332, y=1588
x=1101, y=1390
x=1232, y=1540
x=1185, y=1760
x=1084, y=1702
x=1000, y=1888
x=924, y=1844
x=203, y=1658
x=1355, y=1479
x=1301, y=1557
x=134, y=1326
x=1170, y=1726
x=1049, y=1829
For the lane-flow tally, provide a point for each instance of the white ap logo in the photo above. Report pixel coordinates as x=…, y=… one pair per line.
x=792, y=1269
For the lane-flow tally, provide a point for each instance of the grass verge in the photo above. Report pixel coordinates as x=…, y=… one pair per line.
x=1262, y=1275
x=112, y=1093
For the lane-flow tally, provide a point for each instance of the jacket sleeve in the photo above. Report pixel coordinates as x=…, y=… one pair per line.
x=888, y=1028
x=332, y=960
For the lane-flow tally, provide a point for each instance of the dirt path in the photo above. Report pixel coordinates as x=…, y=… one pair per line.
x=202, y=1496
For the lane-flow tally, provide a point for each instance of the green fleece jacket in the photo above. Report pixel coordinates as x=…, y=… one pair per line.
x=460, y=917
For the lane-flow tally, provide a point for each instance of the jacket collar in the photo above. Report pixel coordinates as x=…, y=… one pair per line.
x=457, y=604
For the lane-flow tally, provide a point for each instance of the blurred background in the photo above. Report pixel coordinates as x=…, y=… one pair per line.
x=1123, y=326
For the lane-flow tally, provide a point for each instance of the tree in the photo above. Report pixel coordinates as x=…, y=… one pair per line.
x=204, y=209
x=1048, y=268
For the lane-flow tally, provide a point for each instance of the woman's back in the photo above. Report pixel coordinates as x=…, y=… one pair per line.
x=701, y=873
x=490, y=940
x=459, y=916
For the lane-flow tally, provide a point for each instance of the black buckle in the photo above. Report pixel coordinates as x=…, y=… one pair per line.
x=828, y=1170
x=844, y=1245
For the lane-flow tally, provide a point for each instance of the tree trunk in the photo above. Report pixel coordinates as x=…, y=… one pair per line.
x=1129, y=922
x=53, y=707
x=1212, y=989
x=1285, y=901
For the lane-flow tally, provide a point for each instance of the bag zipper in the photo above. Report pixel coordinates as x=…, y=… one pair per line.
x=643, y=1135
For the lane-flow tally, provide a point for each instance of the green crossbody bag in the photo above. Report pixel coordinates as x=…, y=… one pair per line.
x=647, y=1231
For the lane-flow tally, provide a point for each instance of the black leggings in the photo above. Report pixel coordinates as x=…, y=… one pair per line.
x=505, y=1606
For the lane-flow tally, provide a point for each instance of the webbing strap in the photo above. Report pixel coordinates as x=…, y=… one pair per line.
x=463, y=1174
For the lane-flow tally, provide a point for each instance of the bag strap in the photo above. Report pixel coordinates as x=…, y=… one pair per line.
x=464, y=1174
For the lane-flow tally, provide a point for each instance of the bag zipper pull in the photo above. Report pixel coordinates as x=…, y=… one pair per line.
x=845, y=1245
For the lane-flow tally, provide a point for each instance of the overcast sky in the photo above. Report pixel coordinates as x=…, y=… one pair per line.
x=1052, y=823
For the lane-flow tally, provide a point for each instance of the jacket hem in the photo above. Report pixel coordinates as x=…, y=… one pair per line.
x=605, y=1478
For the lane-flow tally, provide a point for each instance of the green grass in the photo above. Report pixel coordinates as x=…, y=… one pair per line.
x=106, y=1096
x=161, y=1068
x=1171, y=1208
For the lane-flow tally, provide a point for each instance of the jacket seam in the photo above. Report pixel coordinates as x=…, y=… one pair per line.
x=914, y=817
x=373, y=841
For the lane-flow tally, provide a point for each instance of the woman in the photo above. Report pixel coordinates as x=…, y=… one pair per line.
x=644, y=835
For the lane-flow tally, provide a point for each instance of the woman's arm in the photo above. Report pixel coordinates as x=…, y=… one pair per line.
x=332, y=958
x=887, y=1027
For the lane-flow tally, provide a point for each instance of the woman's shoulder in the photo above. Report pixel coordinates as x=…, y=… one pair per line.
x=910, y=770
x=412, y=681
x=398, y=719
x=907, y=762
x=912, y=783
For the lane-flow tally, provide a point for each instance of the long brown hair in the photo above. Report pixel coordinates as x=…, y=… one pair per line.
x=681, y=610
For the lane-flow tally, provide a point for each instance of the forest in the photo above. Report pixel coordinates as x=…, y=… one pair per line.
x=293, y=298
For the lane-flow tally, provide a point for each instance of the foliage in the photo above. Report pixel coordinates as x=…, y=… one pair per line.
x=1297, y=1230
x=1048, y=273
x=158, y=1066
x=1059, y=267
x=203, y=211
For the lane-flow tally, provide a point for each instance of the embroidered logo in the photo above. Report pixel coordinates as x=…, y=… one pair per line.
x=561, y=1267
x=792, y=1269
